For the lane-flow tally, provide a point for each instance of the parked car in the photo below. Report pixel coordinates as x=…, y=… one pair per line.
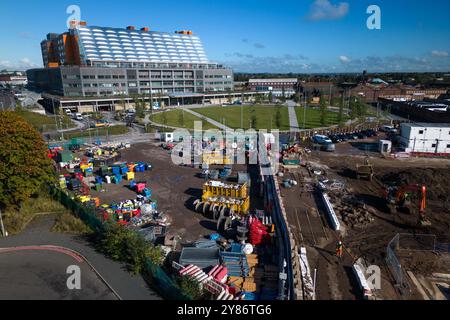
x=78, y=117
x=362, y=135
x=335, y=138
x=387, y=128
x=320, y=139
x=370, y=133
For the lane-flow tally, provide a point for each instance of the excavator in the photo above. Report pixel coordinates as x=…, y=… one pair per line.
x=399, y=197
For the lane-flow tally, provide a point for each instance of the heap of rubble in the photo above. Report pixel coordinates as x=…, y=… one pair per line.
x=353, y=213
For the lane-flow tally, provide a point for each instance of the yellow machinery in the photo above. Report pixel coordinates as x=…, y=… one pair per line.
x=365, y=170
x=216, y=157
x=223, y=199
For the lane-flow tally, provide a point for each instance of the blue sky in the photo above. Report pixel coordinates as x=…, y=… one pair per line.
x=256, y=35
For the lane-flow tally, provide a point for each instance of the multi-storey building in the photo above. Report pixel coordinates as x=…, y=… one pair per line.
x=276, y=86
x=89, y=61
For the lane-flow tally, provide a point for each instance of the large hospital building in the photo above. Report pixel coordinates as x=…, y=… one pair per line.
x=96, y=67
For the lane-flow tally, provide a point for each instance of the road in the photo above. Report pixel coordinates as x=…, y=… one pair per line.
x=40, y=273
x=127, y=286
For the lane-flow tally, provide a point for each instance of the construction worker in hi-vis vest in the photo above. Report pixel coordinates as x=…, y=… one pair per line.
x=339, y=249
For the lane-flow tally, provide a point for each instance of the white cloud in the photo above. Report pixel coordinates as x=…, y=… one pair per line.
x=437, y=53
x=344, y=59
x=325, y=10
x=22, y=64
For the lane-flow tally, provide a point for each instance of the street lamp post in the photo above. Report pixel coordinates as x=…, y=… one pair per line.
x=2, y=226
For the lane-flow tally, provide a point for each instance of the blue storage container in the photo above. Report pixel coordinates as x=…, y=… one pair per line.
x=147, y=193
x=99, y=180
x=132, y=184
x=116, y=171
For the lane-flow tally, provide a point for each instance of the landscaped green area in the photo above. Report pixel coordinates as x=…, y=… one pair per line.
x=16, y=219
x=46, y=123
x=97, y=132
x=256, y=116
x=313, y=118
x=180, y=119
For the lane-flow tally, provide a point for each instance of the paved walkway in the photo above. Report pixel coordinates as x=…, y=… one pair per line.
x=293, y=122
x=213, y=122
x=128, y=286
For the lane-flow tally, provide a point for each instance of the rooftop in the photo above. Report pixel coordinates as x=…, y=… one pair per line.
x=293, y=80
x=426, y=125
x=130, y=45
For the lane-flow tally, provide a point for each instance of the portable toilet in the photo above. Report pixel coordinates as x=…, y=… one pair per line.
x=385, y=146
x=167, y=137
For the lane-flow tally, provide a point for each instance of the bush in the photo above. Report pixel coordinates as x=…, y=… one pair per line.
x=125, y=245
x=190, y=288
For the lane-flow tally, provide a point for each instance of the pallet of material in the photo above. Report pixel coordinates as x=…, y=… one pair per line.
x=236, y=281
x=249, y=287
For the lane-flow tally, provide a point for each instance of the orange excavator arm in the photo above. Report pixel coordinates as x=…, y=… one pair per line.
x=421, y=192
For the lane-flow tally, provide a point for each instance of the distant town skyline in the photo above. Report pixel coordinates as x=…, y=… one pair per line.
x=303, y=36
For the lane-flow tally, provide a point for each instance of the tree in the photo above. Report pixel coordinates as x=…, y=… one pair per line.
x=283, y=95
x=323, y=111
x=139, y=108
x=24, y=165
x=181, y=118
x=164, y=118
x=278, y=118
x=254, y=121
x=353, y=108
x=270, y=97
x=341, y=112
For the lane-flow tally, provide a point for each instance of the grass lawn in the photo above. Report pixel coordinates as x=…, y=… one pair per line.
x=101, y=132
x=17, y=219
x=313, y=118
x=231, y=115
x=173, y=119
x=45, y=123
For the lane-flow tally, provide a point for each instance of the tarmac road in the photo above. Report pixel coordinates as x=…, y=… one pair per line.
x=127, y=286
x=39, y=273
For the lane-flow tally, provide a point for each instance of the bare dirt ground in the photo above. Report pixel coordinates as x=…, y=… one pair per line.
x=174, y=188
x=305, y=213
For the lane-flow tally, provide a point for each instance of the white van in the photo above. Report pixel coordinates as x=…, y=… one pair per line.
x=78, y=117
x=387, y=129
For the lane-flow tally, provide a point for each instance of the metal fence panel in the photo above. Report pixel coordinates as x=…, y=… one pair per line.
x=164, y=284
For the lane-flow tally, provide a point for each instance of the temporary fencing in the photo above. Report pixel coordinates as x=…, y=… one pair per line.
x=153, y=273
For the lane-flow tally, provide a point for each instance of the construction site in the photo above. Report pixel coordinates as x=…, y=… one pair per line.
x=389, y=213
x=209, y=219
x=345, y=225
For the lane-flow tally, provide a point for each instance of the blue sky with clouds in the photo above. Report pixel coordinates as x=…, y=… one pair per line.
x=256, y=35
